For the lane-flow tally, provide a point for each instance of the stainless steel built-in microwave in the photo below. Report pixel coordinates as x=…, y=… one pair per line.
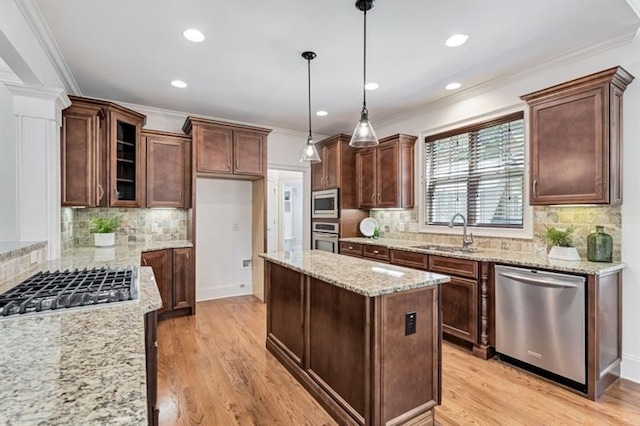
x=324, y=204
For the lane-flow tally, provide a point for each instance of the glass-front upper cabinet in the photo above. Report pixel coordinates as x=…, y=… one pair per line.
x=126, y=171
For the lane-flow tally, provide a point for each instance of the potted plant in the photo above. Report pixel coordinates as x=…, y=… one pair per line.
x=561, y=243
x=103, y=229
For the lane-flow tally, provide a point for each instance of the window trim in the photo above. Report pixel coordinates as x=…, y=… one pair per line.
x=499, y=116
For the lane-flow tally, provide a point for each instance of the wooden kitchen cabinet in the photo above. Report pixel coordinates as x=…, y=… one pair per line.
x=102, y=155
x=168, y=166
x=151, y=350
x=576, y=140
x=174, y=273
x=335, y=170
x=227, y=150
x=82, y=143
x=351, y=249
x=385, y=175
x=377, y=253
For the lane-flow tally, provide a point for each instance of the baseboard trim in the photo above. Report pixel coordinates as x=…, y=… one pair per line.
x=222, y=292
x=630, y=367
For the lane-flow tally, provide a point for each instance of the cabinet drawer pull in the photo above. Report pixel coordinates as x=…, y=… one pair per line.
x=376, y=252
x=535, y=187
x=350, y=247
x=144, y=261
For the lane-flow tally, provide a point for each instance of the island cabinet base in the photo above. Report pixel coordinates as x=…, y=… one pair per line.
x=366, y=360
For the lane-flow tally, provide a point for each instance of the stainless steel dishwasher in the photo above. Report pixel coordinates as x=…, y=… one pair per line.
x=540, y=320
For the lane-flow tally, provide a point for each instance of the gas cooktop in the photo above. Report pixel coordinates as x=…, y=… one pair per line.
x=49, y=291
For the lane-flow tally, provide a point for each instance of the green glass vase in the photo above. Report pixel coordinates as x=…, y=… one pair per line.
x=599, y=246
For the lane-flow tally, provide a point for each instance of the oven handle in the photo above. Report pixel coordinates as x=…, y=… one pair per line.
x=537, y=281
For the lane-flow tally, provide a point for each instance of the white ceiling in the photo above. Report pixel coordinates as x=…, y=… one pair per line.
x=249, y=67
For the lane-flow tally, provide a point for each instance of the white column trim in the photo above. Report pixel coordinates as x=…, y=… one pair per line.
x=43, y=93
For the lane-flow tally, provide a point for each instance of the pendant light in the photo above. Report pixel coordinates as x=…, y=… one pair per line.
x=309, y=151
x=363, y=135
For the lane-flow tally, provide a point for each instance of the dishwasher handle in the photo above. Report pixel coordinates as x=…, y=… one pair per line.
x=537, y=281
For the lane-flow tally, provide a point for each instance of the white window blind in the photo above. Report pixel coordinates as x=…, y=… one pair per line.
x=477, y=171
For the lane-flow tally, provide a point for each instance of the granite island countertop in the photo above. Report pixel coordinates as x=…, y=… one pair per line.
x=365, y=277
x=498, y=256
x=80, y=366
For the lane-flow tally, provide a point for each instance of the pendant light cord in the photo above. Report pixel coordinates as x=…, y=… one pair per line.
x=364, y=66
x=309, y=80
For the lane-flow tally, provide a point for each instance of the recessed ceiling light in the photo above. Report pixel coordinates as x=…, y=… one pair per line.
x=193, y=35
x=456, y=40
x=179, y=84
x=371, y=86
x=322, y=113
x=452, y=86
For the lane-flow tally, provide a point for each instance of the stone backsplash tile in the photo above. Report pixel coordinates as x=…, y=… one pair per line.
x=67, y=224
x=403, y=224
x=20, y=263
x=136, y=225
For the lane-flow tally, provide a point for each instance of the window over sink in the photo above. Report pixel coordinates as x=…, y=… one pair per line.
x=479, y=171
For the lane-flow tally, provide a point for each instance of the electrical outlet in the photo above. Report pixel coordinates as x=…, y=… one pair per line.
x=246, y=263
x=410, y=323
x=236, y=226
x=154, y=227
x=34, y=257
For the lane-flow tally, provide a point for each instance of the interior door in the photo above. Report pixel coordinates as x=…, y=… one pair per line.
x=272, y=216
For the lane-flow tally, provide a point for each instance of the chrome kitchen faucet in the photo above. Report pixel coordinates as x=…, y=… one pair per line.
x=467, y=240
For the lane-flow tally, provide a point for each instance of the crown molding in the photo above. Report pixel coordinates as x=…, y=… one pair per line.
x=33, y=16
x=619, y=38
x=56, y=95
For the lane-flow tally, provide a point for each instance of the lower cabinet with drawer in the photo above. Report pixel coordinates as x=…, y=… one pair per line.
x=465, y=301
x=377, y=253
x=351, y=249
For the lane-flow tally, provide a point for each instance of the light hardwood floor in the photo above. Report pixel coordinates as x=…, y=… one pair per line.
x=214, y=370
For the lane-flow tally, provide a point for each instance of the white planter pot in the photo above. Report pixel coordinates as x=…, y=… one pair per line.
x=104, y=240
x=563, y=253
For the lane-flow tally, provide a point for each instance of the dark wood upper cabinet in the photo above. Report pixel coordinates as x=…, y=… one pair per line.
x=385, y=173
x=102, y=155
x=82, y=137
x=222, y=149
x=576, y=140
x=168, y=164
x=336, y=169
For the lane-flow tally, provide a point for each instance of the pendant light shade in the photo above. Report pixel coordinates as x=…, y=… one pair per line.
x=309, y=151
x=363, y=135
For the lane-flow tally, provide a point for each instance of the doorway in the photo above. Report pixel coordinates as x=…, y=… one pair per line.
x=285, y=210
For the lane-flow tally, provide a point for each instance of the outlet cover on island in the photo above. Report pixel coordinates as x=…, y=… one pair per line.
x=34, y=257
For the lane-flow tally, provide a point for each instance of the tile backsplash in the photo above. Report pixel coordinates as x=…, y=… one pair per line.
x=402, y=223
x=67, y=224
x=136, y=225
x=18, y=261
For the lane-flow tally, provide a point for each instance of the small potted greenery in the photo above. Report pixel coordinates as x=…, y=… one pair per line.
x=561, y=243
x=104, y=229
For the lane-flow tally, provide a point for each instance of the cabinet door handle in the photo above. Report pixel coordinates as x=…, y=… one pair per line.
x=535, y=187
x=180, y=196
x=100, y=193
x=378, y=197
x=373, y=198
x=187, y=256
x=144, y=261
x=237, y=163
x=229, y=163
x=115, y=191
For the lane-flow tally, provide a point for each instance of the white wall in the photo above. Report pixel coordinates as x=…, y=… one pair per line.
x=223, y=233
x=8, y=172
x=504, y=95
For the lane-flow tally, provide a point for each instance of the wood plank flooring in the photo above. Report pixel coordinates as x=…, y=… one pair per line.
x=214, y=370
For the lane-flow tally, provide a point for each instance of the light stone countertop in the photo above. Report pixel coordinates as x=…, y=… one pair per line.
x=18, y=248
x=499, y=256
x=361, y=276
x=83, y=366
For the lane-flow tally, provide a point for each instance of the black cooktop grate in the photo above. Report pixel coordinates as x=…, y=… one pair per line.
x=46, y=291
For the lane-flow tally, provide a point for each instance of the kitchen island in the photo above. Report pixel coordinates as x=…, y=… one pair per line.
x=84, y=366
x=364, y=338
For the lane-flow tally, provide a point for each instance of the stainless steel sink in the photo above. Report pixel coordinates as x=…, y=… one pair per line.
x=448, y=249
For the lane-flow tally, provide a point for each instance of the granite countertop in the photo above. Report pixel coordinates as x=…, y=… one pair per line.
x=18, y=248
x=498, y=256
x=80, y=366
x=365, y=277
